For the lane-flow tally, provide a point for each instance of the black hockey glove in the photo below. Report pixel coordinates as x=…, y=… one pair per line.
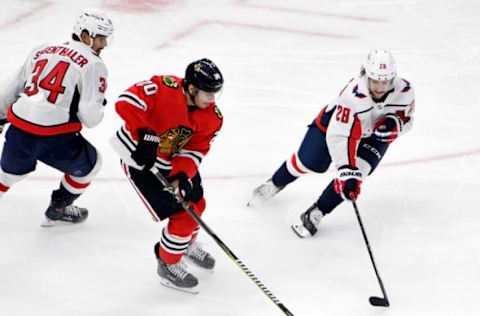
x=388, y=128
x=146, y=152
x=348, y=182
x=182, y=184
x=2, y=124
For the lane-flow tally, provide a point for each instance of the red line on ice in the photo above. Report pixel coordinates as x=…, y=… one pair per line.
x=388, y=164
x=188, y=31
x=41, y=5
x=317, y=13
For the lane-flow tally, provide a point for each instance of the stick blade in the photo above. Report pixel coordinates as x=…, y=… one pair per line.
x=379, y=301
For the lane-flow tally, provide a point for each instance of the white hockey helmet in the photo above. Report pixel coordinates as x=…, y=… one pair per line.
x=95, y=22
x=380, y=65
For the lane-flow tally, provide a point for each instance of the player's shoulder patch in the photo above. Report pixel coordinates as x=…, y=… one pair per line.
x=357, y=93
x=407, y=86
x=217, y=111
x=170, y=82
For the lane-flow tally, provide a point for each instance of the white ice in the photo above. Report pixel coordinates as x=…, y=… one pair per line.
x=283, y=61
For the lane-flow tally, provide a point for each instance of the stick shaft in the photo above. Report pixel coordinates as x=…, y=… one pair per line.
x=168, y=186
x=382, y=287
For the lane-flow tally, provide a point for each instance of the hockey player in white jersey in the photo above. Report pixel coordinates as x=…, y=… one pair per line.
x=59, y=89
x=354, y=132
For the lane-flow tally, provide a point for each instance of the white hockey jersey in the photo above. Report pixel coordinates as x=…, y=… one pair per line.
x=57, y=90
x=353, y=115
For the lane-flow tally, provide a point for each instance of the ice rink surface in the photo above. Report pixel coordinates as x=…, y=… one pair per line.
x=283, y=61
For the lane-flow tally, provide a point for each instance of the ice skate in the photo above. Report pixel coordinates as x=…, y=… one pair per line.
x=310, y=220
x=200, y=257
x=176, y=276
x=263, y=193
x=67, y=215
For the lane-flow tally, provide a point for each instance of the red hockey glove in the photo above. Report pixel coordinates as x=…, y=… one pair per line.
x=348, y=182
x=2, y=124
x=388, y=128
x=182, y=184
x=146, y=152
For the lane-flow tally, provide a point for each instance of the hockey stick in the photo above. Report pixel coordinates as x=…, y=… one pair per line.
x=170, y=188
x=374, y=300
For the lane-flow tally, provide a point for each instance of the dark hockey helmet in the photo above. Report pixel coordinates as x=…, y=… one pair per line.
x=204, y=75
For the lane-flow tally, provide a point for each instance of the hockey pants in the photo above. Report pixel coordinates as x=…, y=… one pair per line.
x=313, y=156
x=69, y=153
x=181, y=229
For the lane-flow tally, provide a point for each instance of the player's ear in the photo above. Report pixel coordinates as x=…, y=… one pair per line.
x=192, y=89
x=85, y=38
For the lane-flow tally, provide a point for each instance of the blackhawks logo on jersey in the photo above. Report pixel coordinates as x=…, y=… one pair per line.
x=173, y=140
x=170, y=82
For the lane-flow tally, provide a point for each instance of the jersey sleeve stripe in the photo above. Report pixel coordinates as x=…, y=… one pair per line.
x=196, y=156
x=133, y=100
x=125, y=138
x=124, y=142
x=353, y=139
x=128, y=138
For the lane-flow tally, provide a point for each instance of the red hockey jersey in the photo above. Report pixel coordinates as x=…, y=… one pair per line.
x=186, y=132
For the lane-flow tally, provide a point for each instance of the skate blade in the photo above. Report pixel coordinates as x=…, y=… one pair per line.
x=191, y=290
x=301, y=231
x=49, y=223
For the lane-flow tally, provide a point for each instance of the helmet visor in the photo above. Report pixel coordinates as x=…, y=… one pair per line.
x=105, y=41
x=210, y=95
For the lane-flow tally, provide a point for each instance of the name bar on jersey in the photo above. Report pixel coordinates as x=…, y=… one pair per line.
x=75, y=56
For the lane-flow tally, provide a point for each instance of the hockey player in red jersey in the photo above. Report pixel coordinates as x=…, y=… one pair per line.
x=170, y=123
x=354, y=132
x=59, y=88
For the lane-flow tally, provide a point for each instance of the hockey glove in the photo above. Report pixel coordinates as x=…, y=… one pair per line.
x=348, y=182
x=388, y=128
x=146, y=153
x=182, y=184
x=2, y=124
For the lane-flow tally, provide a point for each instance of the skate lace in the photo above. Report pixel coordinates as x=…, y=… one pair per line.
x=177, y=270
x=196, y=252
x=72, y=210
